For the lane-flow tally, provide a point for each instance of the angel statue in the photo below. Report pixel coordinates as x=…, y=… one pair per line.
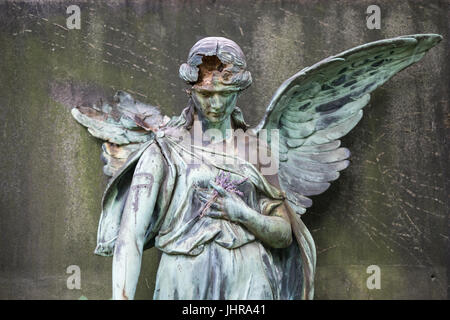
x=222, y=201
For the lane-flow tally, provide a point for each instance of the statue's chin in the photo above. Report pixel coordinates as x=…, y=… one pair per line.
x=215, y=118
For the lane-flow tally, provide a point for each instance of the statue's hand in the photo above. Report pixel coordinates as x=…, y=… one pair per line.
x=273, y=230
x=226, y=205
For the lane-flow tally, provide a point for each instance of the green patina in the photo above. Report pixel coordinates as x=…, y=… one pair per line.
x=47, y=181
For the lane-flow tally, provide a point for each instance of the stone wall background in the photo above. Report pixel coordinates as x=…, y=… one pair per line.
x=389, y=208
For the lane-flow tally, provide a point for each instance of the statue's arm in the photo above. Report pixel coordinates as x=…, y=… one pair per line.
x=271, y=226
x=274, y=230
x=136, y=217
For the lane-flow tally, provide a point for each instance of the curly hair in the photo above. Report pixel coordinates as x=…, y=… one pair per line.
x=219, y=57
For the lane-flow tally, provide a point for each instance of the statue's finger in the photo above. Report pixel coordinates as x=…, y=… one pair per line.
x=204, y=198
x=219, y=189
x=213, y=213
x=217, y=206
x=204, y=194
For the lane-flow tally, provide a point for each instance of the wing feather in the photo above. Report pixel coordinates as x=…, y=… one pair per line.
x=317, y=106
x=124, y=127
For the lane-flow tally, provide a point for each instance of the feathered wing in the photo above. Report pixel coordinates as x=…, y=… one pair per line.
x=317, y=106
x=125, y=127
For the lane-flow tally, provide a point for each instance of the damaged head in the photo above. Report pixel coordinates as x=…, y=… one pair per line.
x=214, y=64
x=216, y=70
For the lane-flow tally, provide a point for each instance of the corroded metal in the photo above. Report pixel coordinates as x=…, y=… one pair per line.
x=225, y=228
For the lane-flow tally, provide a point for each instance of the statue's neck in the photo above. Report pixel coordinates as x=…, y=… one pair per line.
x=220, y=130
x=223, y=127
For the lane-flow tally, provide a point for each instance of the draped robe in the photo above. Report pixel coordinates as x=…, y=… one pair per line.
x=204, y=257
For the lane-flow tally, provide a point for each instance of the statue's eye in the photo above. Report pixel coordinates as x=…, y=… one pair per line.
x=227, y=93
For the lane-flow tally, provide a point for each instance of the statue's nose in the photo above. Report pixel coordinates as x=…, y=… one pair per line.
x=215, y=102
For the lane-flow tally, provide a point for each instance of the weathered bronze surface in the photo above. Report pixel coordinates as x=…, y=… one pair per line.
x=226, y=228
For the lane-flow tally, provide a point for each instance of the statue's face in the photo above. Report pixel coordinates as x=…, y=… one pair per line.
x=214, y=106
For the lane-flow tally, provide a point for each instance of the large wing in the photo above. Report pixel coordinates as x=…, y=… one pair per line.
x=322, y=103
x=124, y=127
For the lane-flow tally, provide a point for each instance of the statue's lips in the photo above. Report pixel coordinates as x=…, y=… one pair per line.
x=214, y=114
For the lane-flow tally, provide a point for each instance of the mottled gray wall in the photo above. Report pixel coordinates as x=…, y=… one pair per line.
x=390, y=208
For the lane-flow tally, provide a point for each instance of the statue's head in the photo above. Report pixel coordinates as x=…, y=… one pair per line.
x=216, y=71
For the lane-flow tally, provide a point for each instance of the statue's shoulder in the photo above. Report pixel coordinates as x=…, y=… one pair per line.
x=127, y=168
x=135, y=157
x=151, y=152
x=152, y=161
